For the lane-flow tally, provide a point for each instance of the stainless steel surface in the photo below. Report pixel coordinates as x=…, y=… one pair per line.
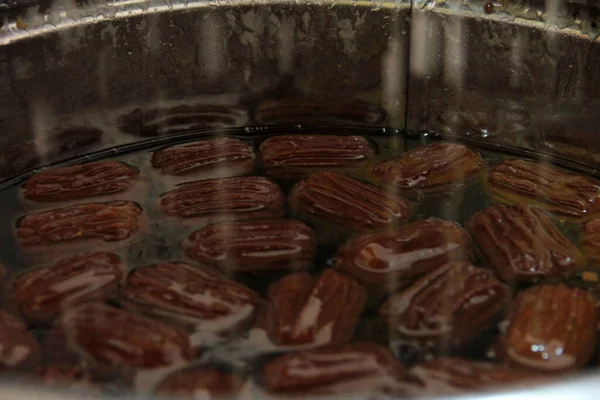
x=505, y=79
x=89, y=71
x=496, y=76
x=519, y=82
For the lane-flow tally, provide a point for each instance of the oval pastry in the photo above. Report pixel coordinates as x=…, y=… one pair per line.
x=447, y=307
x=206, y=159
x=318, y=311
x=396, y=257
x=551, y=328
x=448, y=375
x=566, y=194
x=190, y=296
x=354, y=368
x=18, y=347
x=100, y=178
x=162, y=121
x=347, y=202
x=200, y=383
x=89, y=223
x=435, y=167
x=111, y=336
x=248, y=197
x=41, y=294
x=254, y=246
x=522, y=243
x=293, y=156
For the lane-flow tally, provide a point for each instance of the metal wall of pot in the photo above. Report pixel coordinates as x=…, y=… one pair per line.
x=514, y=82
x=73, y=88
x=90, y=83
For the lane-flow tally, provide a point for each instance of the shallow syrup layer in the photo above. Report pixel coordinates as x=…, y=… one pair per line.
x=163, y=241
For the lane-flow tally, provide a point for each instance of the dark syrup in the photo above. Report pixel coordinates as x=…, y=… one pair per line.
x=163, y=241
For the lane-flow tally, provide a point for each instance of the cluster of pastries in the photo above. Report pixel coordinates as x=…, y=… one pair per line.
x=251, y=283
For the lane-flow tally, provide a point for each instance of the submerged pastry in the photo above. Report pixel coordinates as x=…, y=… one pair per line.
x=564, y=193
x=551, y=328
x=190, y=296
x=219, y=157
x=447, y=307
x=100, y=178
x=294, y=156
x=432, y=168
x=394, y=258
x=39, y=295
x=355, y=368
x=226, y=199
x=341, y=200
x=254, y=246
x=319, y=311
x=523, y=244
x=18, y=348
x=82, y=225
x=200, y=382
x=453, y=375
x=110, y=336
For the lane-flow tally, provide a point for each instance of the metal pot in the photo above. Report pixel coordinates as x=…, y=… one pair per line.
x=80, y=79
